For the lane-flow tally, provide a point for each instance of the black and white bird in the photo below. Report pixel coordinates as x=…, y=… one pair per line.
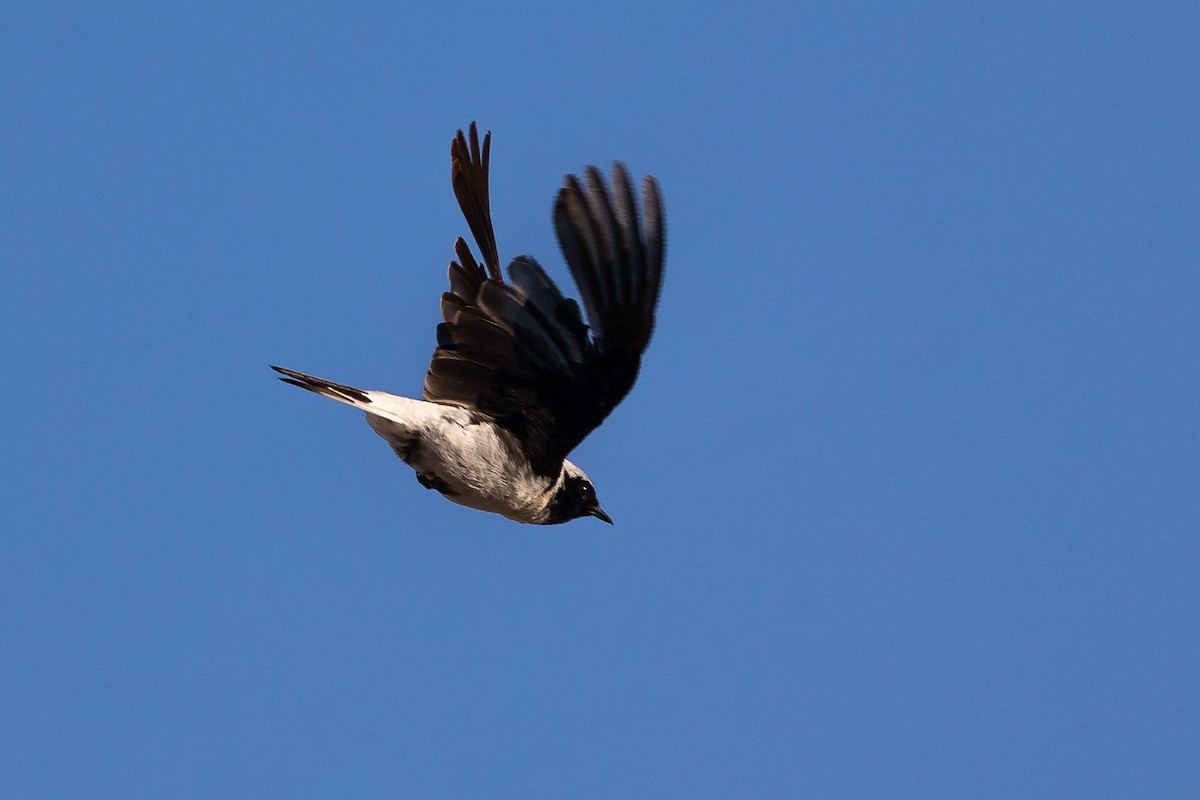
x=517, y=381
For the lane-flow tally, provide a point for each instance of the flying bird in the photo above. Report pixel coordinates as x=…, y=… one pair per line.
x=518, y=378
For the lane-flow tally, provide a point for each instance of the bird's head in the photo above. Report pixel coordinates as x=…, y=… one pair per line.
x=574, y=497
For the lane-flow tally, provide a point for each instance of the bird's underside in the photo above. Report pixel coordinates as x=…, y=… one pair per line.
x=518, y=378
x=453, y=450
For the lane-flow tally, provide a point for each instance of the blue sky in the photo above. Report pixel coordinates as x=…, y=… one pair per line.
x=906, y=496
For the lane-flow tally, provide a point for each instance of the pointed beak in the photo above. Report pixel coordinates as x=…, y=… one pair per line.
x=598, y=513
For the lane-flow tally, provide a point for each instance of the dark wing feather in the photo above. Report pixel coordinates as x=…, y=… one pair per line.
x=520, y=352
x=616, y=264
x=469, y=176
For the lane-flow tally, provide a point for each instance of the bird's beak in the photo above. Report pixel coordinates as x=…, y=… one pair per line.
x=598, y=513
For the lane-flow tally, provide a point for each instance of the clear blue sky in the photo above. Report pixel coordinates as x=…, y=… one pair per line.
x=907, y=497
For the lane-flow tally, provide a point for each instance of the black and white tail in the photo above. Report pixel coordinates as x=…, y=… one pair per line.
x=334, y=391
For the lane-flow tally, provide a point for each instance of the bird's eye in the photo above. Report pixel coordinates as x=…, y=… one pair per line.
x=587, y=492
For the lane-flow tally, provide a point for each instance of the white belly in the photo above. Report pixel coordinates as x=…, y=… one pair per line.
x=465, y=460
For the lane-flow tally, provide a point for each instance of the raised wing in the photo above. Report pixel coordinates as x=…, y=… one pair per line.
x=520, y=352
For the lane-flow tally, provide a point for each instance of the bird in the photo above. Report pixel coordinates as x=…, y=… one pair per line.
x=519, y=378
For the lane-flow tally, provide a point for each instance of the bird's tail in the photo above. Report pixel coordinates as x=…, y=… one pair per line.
x=334, y=391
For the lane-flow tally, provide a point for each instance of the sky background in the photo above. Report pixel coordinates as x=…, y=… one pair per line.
x=907, y=498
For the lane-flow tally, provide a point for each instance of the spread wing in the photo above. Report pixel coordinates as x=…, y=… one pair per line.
x=521, y=353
